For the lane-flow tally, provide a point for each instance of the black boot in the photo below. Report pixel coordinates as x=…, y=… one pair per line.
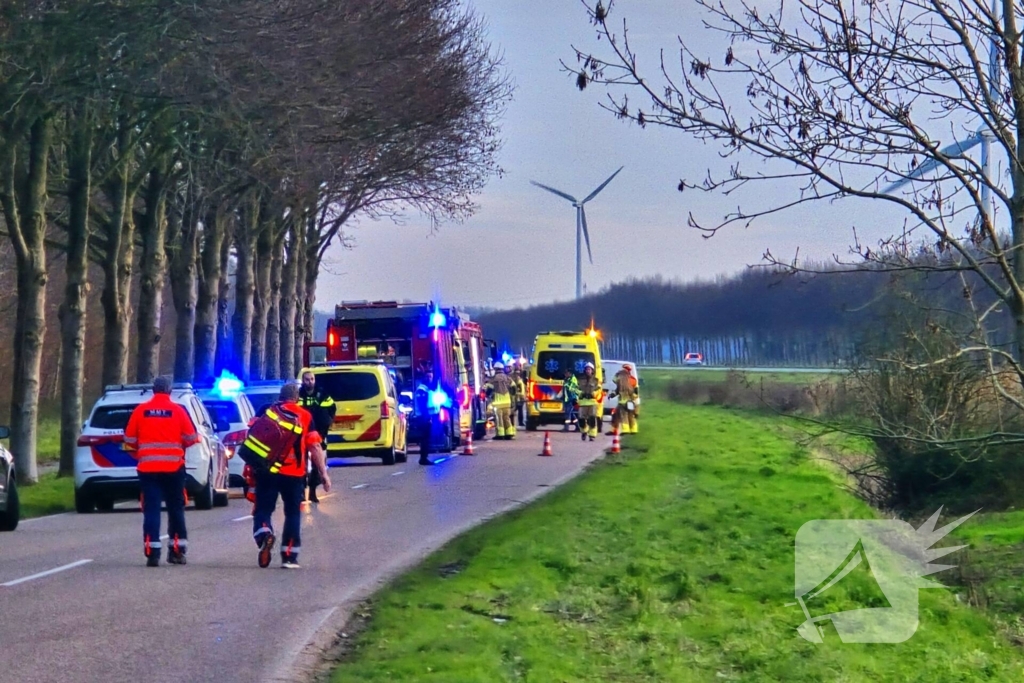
x=312, y=496
x=424, y=460
x=175, y=557
x=153, y=558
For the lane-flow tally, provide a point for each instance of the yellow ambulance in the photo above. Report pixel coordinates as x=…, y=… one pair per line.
x=553, y=354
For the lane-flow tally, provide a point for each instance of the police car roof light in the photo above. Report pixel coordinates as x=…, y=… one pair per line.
x=177, y=386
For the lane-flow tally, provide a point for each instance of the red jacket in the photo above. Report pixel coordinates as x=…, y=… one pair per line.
x=159, y=431
x=291, y=467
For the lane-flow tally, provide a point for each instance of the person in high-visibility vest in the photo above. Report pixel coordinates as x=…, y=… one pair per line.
x=501, y=399
x=323, y=408
x=629, y=396
x=519, y=409
x=590, y=394
x=288, y=480
x=158, y=433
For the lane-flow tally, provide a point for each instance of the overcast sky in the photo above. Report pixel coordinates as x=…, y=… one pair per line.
x=519, y=249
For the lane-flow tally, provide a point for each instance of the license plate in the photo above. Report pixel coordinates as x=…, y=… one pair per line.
x=347, y=426
x=551, y=406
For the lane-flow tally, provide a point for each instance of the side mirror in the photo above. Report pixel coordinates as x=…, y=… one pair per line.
x=5, y=432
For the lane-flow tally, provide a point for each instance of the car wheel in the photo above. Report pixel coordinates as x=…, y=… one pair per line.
x=532, y=424
x=9, y=519
x=84, y=504
x=402, y=456
x=204, y=501
x=105, y=505
x=389, y=456
x=220, y=499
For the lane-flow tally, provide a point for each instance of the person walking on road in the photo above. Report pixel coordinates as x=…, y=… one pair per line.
x=590, y=394
x=322, y=407
x=520, y=398
x=158, y=432
x=501, y=398
x=629, y=395
x=288, y=482
x=570, y=394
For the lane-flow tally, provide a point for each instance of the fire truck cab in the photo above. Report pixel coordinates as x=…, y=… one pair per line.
x=412, y=339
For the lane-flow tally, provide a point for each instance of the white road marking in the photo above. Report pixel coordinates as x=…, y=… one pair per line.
x=242, y=519
x=395, y=474
x=359, y=486
x=46, y=573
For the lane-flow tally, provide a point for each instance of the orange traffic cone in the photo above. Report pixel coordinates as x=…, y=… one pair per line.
x=547, y=444
x=468, y=448
x=616, y=443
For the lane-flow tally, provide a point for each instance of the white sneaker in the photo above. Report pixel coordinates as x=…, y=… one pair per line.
x=290, y=565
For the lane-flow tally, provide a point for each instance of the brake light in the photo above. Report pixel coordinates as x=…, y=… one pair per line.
x=385, y=410
x=531, y=391
x=235, y=438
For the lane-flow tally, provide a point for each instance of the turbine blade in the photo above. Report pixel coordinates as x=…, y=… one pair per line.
x=554, y=191
x=586, y=233
x=602, y=186
x=954, y=150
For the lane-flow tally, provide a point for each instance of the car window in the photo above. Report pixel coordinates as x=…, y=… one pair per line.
x=262, y=399
x=553, y=364
x=111, y=417
x=223, y=411
x=349, y=386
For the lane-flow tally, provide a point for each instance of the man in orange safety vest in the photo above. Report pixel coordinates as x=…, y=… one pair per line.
x=158, y=432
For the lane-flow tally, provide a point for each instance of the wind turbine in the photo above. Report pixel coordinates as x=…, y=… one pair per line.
x=581, y=225
x=980, y=137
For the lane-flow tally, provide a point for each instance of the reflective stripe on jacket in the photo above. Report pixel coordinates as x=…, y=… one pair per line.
x=159, y=431
x=293, y=466
x=590, y=391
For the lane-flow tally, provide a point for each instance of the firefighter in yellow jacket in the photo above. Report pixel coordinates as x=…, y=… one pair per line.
x=590, y=396
x=629, y=397
x=501, y=399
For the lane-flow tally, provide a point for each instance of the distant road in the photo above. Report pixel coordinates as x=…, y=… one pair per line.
x=816, y=371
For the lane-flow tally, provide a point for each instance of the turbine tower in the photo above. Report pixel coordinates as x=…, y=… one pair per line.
x=981, y=137
x=581, y=226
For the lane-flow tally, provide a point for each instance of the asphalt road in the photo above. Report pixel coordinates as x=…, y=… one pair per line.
x=77, y=603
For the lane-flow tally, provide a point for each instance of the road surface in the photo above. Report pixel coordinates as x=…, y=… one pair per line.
x=77, y=603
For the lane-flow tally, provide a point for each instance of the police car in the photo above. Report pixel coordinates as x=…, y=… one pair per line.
x=232, y=412
x=105, y=473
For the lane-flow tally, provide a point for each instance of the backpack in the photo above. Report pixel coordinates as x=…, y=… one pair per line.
x=272, y=437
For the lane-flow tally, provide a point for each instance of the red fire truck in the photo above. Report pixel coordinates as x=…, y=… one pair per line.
x=410, y=338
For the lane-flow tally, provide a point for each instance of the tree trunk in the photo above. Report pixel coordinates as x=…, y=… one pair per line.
x=208, y=295
x=184, y=231
x=224, y=299
x=272, y=369
x=24, y=202
x=153, y=268
x=289, y=309
x=245, y=288
x=117, y=268
x=309, y=294
x=72, y=311
x=261, y=300
x=300, y=298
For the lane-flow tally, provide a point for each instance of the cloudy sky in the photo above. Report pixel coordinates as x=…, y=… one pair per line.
x=519, y=249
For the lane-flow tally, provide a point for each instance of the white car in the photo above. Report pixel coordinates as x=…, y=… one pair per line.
x=105, y=473
x=611, y=368
x=693, y=359
x=231, y=412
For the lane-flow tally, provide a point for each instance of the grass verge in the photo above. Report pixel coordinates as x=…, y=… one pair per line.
x=673, y=562
x=47, y=497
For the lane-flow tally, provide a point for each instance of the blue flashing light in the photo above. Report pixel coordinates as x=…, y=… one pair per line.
x=438, y=319
x=506, y=358
x=228, y=385
x=439, y=399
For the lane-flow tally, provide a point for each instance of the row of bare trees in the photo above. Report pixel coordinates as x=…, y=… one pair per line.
x=187, y=142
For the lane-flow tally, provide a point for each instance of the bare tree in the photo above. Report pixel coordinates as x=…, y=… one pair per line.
x=830, y=100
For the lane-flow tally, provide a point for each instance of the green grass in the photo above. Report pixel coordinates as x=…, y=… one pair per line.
x=47, y=497
x=673, y=562
x=48, y=439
